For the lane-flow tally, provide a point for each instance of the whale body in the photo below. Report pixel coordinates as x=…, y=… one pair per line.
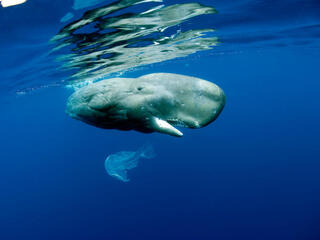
x=151, y=103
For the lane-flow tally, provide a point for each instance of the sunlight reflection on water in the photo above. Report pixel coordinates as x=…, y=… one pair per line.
x=102, y=42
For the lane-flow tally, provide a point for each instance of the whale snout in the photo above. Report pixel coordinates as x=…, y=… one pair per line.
x=220, y=96
x=219, y=100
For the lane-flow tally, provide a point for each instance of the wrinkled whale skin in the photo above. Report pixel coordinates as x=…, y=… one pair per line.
x=153, y=102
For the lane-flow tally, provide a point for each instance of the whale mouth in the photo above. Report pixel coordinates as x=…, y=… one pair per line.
x=177, y=122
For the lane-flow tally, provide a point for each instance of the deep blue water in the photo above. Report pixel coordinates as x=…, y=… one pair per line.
x=253, y=174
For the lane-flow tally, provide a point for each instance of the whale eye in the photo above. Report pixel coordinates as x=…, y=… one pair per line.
x=139, y=88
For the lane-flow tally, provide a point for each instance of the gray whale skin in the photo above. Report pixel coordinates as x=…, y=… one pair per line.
x=151, y=103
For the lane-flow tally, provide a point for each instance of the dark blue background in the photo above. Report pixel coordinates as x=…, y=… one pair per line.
x=252, y=174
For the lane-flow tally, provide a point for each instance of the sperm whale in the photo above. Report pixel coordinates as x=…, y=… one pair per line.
x=155, y=102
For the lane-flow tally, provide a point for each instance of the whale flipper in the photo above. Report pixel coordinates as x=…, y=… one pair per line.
x=163, y=126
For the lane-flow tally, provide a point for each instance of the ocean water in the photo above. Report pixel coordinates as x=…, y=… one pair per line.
x=253, y=174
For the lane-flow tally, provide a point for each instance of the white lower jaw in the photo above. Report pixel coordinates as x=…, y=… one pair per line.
x=9, y=3
x=163, y=126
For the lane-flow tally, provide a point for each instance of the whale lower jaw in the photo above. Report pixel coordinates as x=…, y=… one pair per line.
x=9, y=3
x=163, y=126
